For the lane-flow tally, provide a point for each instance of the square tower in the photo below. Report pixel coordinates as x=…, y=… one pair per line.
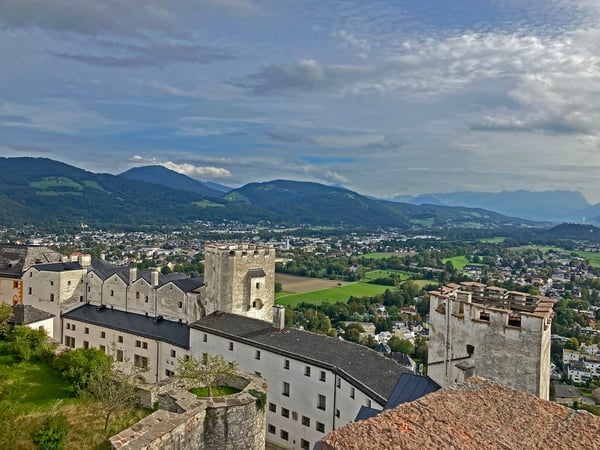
x=240, y=279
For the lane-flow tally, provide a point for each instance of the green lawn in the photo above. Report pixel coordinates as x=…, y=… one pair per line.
x=592, y=257
x=459, y=262
x=381, y=255
x=383, y=273
x=493, y=240
x=217, y=391
x=333, y=295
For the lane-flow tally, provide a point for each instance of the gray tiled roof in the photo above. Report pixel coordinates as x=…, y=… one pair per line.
x=409, y=388
x=59, y=266
x=26, y=314
x=163, y=330
x=353, y=362
x=14, y=259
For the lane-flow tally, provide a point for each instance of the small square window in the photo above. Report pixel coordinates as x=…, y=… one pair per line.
x=306, y=421
x=321, y=427
x=103, y=348
x=285, y=412
x=304, y=444
x=286, y=364
x=271, y=429
x=138, y=343
x=29, y=291
x=69, y=283
x=307, y=371
x=257, y=354
x=112, y=293
x=337, y=413
x=322, y=376
x=204, y=337
x=231, y=346
x=86, y=344
x=284, y=435
x=272, y=407
x=120, y=339
x=51, y=283
x=51, y=297
x=86, y=330
x=144, y=345
x=180, y=305
x=173, y=353
x=286, y=389
x=137, y=295
x=73, y=327
x=68, y=326
x=146, y=299
x=102, y=334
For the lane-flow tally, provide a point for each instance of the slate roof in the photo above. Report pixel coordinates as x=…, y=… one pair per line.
x=145, y=326
x=257, y=273
x=356, y=363
x=27, y=314
x=566, y=391
x=59, y=266
x=188, y=284
x=474, y=416
x=15, y=259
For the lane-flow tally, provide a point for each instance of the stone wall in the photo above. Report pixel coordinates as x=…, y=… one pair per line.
x=230, y=423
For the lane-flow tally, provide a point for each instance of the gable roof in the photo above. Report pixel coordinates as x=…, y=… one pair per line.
x=15, y=259
x=357, y=364
x=145, y=326
x=58, y=266
x=27, y=314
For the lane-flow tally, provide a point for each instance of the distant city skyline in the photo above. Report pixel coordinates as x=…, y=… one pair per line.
x=384, y=98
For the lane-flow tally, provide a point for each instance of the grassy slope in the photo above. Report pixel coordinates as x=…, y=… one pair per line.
x=30, y=390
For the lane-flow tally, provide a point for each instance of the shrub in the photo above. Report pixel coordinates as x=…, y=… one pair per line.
x=80, y=367
x=25, y=342
x=52, y=433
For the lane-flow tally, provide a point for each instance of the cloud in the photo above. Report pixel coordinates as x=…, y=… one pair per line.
x=114, y=16
x=152, y=55
x=30, y=149
x=306, y=75
x=8, y=119
x=356, y=140
x=185, y=168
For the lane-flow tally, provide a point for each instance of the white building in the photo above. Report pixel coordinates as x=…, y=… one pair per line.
x=316, y=383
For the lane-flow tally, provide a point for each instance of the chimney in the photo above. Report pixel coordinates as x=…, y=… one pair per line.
x=132, y=274
x=85, y=260
x=278, y=318
x=154, y=278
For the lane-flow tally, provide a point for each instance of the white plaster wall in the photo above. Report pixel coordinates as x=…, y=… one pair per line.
x=304, y=390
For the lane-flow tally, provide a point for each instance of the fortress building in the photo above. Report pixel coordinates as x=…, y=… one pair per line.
x=487, y=331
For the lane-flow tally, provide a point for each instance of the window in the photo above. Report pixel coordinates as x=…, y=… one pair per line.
x=337, y=413
x=307, y=371
x=272, y=407
x=321, y=427
x=138, y=344
x=306, y=421
x=169, y=373
x=15, y=284
x=86, y=330
x=271, y=429
x=120, y=339
x=484, y=316
x=338, y=383
x=119, y=355
x=140, y=361
x=137, y=295
x=231, y=346
x=68, y=326
x=284, y=435
x=144, y=345
x=204, y=337
x=69, y=283
x=30, y=274
x=257, y=354
x=352, y=392
x=29, y=291
x=102, y=348
x=73, y=327
x=86, y=344
x=304, y=444
x=321, y=401
x=112, y=293
x=257, y=285
x=322, y=375
x=368, y=403
x=146, y=299
x=103, y=334
x=81, y=298
x=286, y=364
x=257, y=373
x=180, y=305
x=285, y=412
x=286, y=389
x=51, y=283
x=173, y=353
x=51, y=297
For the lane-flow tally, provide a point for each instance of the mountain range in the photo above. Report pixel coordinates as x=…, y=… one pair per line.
x=42, y=191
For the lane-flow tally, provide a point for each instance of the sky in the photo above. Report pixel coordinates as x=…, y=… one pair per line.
x=386, y=98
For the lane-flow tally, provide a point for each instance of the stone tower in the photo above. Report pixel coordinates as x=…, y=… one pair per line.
x=490, y=332
x=240, y=279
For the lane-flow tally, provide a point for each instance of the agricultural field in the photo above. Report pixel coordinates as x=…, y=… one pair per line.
x=333, y=295
x=459, y=262
x=30, y=391
x=296, y=284
x=382, y=255
x=492, y=240
x=374, y=274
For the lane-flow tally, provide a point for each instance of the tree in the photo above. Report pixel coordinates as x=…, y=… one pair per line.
x=207, y=371
x=26, y=342
x=6, y=313
x=81, y=366
x=113, y=391
x=572, y=344
x=401, y=345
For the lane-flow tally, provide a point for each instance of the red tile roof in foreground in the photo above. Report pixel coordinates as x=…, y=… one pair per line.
x=477, y=415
